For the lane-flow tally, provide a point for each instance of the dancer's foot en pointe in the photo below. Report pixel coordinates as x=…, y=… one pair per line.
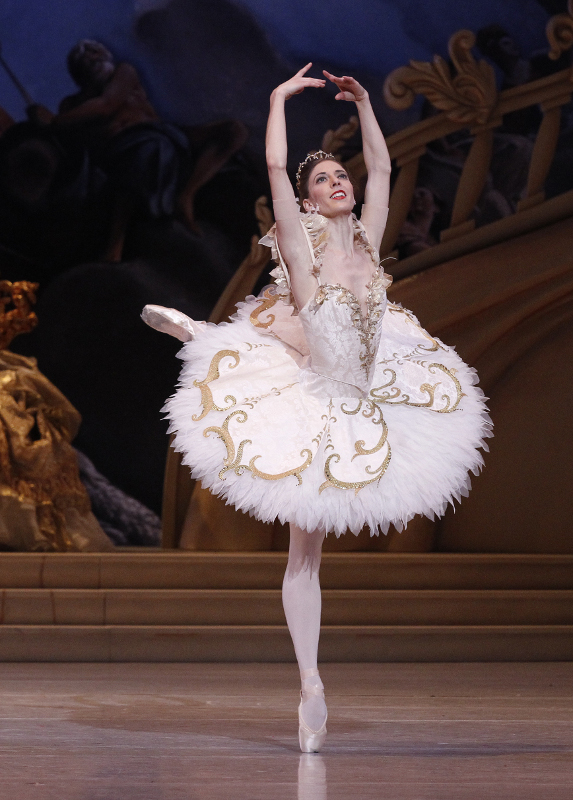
x=171, y=321
x=312, y=713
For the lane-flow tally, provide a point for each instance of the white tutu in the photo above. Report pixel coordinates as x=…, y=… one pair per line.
x=262, y=426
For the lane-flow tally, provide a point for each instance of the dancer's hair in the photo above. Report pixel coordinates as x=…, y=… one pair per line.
x=307, y=166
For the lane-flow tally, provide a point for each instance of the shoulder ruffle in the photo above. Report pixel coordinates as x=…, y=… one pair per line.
x=316, y=228
x=280, y=272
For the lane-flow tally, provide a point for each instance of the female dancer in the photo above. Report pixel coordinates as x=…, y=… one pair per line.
x=332, y=409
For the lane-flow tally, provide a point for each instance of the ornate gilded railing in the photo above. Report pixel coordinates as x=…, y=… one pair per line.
x=466, y=98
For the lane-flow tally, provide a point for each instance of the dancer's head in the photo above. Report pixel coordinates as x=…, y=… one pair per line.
x=324, y=183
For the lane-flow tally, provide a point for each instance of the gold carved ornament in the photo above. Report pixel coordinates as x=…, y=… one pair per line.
x=559, y=32
x=468, y=96
x=16, y=314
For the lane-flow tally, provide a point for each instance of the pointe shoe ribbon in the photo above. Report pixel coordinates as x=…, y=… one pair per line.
x=310, y=741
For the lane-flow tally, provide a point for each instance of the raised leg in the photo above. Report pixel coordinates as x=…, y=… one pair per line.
x=302, y=606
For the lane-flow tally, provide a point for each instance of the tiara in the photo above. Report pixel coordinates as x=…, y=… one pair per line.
x=318, y=156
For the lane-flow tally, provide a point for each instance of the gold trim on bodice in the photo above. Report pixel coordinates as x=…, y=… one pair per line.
x=367, y=324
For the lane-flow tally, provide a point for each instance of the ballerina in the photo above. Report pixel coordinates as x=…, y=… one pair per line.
x=321, y=403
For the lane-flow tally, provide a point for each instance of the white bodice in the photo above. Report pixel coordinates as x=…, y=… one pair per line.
x=342, y=342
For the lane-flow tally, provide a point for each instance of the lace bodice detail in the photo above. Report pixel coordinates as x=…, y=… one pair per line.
x=342, y=340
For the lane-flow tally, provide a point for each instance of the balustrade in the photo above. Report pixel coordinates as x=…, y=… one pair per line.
x=466, y=98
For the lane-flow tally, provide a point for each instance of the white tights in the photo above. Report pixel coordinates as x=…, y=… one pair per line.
x=302, y=606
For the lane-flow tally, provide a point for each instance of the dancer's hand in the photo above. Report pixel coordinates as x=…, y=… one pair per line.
x=298, y=83
x=350, y=89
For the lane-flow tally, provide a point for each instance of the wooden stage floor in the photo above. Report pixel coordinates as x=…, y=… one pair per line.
x=135, y=731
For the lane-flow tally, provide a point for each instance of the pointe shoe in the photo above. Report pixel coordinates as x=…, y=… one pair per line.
x=310, y=741
x=171, y=321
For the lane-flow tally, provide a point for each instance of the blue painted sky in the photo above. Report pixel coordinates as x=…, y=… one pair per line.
x=371, y=35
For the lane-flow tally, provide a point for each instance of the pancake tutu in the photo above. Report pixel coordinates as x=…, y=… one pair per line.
x=260, y=428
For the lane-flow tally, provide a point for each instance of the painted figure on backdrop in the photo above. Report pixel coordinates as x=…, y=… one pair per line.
x=157, y=168
x=322, y=404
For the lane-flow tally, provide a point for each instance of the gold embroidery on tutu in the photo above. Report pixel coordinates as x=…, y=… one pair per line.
x=267, y=301
x=234, y=457
x=436, y=344
x=212, y=375
x=235, y=454
x=269, y=477
x=360, y=450
x=251, y=346
x=395, y=396
x=274, y=392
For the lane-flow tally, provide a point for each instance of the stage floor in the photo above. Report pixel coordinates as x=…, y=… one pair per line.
x=229, y=732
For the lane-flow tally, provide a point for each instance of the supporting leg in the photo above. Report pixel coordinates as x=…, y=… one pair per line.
x=302, y=606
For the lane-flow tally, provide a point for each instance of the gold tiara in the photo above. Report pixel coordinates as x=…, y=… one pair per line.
x=318, y=156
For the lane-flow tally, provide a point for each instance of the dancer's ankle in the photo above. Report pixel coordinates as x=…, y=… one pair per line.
x=313, y=705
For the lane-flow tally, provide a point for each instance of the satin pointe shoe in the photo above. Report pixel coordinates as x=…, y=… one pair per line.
x=310, y=741
x=171, y=321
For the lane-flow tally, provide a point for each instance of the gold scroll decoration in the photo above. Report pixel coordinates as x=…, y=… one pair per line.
x=468, y=96
x=559, y=32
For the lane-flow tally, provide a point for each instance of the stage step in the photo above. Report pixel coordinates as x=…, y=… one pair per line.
x=179, y=570
x=170, y=606
x=264, y=643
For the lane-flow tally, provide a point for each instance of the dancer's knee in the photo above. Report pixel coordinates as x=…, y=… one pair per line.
x=305, y=551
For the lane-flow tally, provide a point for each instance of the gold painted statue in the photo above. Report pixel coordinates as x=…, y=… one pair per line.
x=43, y=504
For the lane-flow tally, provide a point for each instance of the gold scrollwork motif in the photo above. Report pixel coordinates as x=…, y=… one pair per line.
x=267, y=476
x=232, y=462
x=234, y=456
x=274, y=392
x=212, y=375
x=269, y=299
x=396, y=397
x=394, y=309
x=468, y=97
x=377, y=473
x=251, y=346
x=559, y=32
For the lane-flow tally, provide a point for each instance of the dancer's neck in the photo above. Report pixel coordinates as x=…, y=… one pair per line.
x=341, y=234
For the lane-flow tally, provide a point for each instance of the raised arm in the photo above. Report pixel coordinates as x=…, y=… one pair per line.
x=376, y=158
x=290, y=236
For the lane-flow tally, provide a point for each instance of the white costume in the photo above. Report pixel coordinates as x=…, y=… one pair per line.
x=326, y=417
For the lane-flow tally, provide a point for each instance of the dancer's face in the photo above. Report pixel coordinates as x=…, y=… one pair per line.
x=330, y=189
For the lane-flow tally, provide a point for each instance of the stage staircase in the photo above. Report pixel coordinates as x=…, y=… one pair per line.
x=174, y=606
